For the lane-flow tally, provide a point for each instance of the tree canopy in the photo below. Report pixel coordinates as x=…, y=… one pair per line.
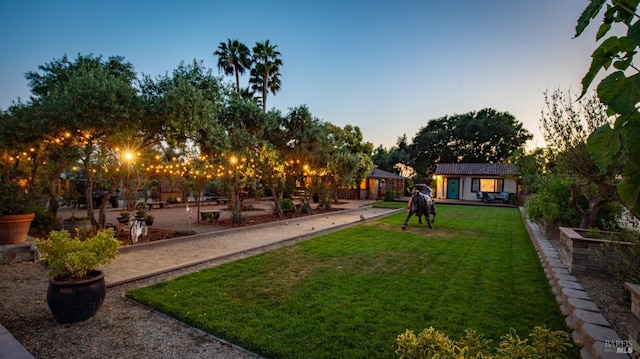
x=483, y=136
x=96, y=114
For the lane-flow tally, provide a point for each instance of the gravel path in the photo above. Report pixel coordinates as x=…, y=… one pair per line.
x=120, y=329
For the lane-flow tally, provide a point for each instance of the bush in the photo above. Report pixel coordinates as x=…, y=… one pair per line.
x=542, y=343
x=552, y=203
x=390, y=196
x=73, y=258
x=287, y=204
x=14, y=199
x=44, y=221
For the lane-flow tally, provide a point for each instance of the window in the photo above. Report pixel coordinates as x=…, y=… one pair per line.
x=487, y=184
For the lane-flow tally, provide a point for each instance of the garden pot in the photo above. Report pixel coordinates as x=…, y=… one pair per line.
x=123, y=219
x=15, y=227
x=82, y=225
x=148, y=222
x=75, y=300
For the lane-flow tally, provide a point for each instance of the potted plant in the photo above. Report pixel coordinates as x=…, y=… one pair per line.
x=148, y=220
x=141, y=210
x=76, y=287
x=15, y=213
x=124, y=217
x=259, y=194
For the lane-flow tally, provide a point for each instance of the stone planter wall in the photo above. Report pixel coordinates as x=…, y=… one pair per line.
x=634, y=320
x=581, y=254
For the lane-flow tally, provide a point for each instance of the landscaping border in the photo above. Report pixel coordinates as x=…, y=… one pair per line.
x=591, y=330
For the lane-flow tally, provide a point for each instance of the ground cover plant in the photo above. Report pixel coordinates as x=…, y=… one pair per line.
x=350, y=293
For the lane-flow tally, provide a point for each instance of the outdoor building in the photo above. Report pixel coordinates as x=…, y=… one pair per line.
x=465, y=180
x=378, y=182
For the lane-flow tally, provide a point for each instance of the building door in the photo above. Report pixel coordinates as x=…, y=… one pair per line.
x=452, y=188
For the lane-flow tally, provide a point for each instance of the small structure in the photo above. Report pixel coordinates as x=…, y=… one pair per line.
x=466, y=180
x=378, y=182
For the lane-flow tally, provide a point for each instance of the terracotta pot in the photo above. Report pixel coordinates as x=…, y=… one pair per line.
x=15, y=227
x=75, y=300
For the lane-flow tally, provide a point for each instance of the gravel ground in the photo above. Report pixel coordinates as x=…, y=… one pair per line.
x=120, y=329
x=607, y=293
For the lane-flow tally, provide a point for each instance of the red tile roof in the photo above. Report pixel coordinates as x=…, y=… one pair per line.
x=490, y=169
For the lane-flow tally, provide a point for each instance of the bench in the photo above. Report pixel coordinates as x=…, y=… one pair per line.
x=222, y=200
x=210, y=214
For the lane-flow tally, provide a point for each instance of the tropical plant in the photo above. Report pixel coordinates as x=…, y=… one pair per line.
x=233, y=58
x=265, y=74
x=70, y=258
x=619, y=91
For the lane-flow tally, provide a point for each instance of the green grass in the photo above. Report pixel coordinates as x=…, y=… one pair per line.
x=350, y=293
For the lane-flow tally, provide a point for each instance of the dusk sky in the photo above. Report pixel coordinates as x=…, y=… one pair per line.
x=386, y=66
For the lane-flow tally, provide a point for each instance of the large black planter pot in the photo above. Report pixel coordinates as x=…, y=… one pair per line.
x=76, y=300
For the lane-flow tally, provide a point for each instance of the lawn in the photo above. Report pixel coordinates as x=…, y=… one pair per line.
x=350, y=293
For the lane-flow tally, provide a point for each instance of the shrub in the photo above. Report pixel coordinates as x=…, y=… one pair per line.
x=390, y=196
x=542, y=343
x=44, y=221
x=552, y=203
x=73, y=258
x=287, y=204
x=14, y=199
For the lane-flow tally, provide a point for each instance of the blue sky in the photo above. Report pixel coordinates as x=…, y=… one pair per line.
x=386, y=66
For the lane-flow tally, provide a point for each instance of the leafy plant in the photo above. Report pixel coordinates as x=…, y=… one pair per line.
x=390, y=196
x=619, y=92
x=287, y=204
x=430, y=343
x=552, y=203
x=69, y=258
x=211, y=216
x=14, y=199
x=125, y=214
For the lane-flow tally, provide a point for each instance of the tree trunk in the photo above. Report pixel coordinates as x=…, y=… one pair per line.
x=276, y=201
x=53, y=180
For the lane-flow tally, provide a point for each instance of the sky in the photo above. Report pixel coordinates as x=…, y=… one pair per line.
x=387, y=67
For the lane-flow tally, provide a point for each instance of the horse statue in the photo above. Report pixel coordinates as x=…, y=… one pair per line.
x=421, y=204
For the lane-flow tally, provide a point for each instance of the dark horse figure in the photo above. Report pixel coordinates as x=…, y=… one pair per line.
x=421, y=204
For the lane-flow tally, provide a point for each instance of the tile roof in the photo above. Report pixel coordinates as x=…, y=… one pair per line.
x=490, y=169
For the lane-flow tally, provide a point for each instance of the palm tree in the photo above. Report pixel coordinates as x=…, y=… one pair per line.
x=233, y=58
x=265, y=75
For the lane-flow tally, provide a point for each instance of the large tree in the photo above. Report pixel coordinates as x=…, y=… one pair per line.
x=619, y=91
x=396, y=159
x=265, y=74
x=483, y=136
x=234, y=58
x=91, y=99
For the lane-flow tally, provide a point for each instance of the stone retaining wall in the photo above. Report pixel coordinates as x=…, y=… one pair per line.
x=582, y=254
x=591, y=330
